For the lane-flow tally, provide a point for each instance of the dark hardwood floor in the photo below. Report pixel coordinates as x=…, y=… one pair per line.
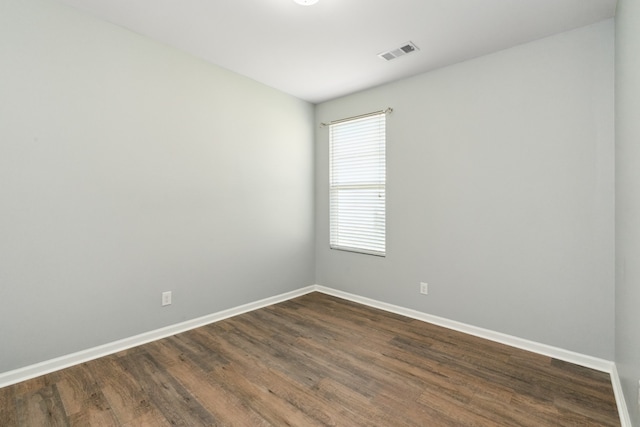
x=316, y=360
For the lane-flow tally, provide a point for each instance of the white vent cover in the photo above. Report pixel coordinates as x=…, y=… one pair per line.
x=407, y=48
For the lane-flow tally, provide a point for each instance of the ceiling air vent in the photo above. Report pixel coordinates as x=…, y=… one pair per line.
x=401, y=51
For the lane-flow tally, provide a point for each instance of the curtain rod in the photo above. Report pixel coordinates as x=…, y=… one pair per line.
x=361, y=116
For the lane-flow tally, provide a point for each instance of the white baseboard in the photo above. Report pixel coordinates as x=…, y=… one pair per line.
x=625, y=419
x=547, y=350
x=42, y=368
x=48, y=366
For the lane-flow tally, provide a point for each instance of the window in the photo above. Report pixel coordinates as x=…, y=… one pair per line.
x=357, y=174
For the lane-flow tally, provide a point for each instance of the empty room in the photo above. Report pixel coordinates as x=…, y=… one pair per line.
x=319, y=212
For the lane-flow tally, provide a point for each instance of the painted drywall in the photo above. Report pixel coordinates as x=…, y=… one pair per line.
x=500, y=192
x=128, y=168
x=628, y=201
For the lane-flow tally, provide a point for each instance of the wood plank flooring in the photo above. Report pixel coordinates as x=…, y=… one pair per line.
x=315, y=361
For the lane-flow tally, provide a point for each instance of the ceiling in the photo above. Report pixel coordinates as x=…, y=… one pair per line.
x=330, y=49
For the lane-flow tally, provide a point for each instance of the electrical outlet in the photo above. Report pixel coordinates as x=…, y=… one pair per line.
x=166, y=298
x=424, y=288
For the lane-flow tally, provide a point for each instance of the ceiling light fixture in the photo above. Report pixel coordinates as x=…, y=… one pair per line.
x=306, y=2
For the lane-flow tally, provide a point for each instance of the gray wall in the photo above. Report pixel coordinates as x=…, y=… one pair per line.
x=628, y=201
x=128, y=168
x=500, y=192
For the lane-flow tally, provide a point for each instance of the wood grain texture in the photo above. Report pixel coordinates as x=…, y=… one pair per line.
x=316, y=360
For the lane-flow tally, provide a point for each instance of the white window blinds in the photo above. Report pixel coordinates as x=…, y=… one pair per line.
x=357, y=185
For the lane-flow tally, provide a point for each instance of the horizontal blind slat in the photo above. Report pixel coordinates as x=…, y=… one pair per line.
x=357, y=185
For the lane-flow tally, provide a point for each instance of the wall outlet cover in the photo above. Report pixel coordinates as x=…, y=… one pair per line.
x=424, y=288
x=166, y=298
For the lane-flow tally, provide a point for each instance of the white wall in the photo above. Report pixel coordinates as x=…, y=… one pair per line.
x=128, y=168
x=500, y=193
x=628, y=201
